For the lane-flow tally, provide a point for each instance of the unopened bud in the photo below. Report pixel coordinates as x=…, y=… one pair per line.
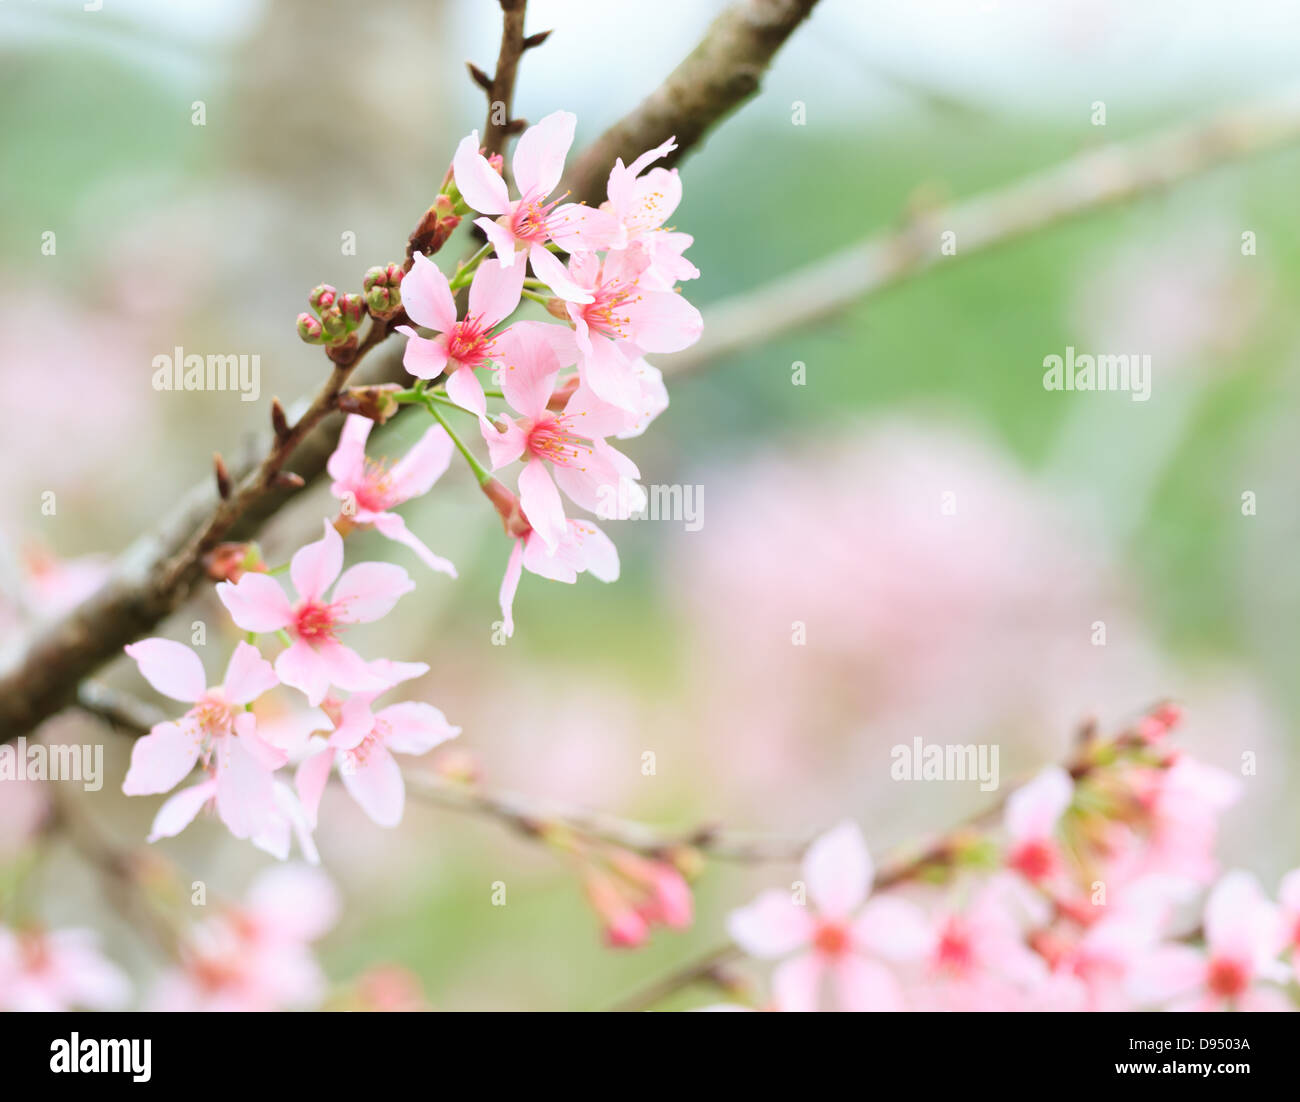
x=353, y=309
x=624, y=928
x=561, y=394
x=309, y=328
x=279, y=422
x=557, y=308
x=378, y=402
x=228, y=562
x=507, y=505
x=334, y=324
x=322, y=297
x=223, y=476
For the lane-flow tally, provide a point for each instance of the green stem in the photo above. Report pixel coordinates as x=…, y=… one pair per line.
x=466, y=271
x=480, y=472
x=532, y=295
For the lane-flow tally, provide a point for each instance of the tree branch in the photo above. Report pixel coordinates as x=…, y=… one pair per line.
x=1092, y=181
x=500, y=87
x=720, y=74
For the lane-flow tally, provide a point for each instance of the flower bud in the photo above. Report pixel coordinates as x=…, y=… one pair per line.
x=322, y=297
x=378, y=402
x=334, y=324
x=228, y=562
x=507, y=505
x=667, y=897
x=624, y=928
x=309, y=328
x=561, y=394
x=557, y=308
x=353, y=309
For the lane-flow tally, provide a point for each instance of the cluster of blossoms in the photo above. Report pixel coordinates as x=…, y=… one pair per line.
x=57, y=970
x=616, y=301
x=1090, y=904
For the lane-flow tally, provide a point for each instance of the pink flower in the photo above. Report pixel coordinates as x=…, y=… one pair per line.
x=583, y=548
x=593, y=474
x=617, y=317
x=530, y=222
x=641, y=205
x=256, y=956
x=372, y=489
x=461, y=344
x=363, y=744
x=1243, y=936
x=1289, y=898
x=840, y=937
x=59, y=970
x=1031, y=818
x=217, y=731
x=315, y=659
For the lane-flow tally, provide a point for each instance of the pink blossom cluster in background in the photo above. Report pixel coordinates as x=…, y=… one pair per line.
x=1098, y=891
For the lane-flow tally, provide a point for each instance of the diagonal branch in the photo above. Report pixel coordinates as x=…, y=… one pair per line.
x=1105, y=177
x=720, y=74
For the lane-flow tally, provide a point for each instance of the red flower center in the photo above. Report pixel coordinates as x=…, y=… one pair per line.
x=1034, y=859
x=314, y=622
x=468, y=343
x=831, y=940
x=551, y=438
x=1228, y=978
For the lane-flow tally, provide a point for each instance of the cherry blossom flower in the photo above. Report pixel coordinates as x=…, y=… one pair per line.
x=641, y=204
x=371, y=489
x=315, y=659
x=1289, y=900
x=1031, y=818
x=461, y=344
x=363, y=744
x=217, y=732
x=57, y=970
x=1243, y=936
x=840, y=937
x=592, y=473
x=616, y=317
x=256, y=956
x=529, y=223
x=583, y=548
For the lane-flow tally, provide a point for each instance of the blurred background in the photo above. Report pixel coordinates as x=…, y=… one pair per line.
x=821, y=503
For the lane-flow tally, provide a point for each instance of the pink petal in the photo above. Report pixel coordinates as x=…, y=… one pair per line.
x=248, y=675
x=796, y=984
x=376, y=784
x=171, y=668
x=863, y=985
x=301, y=667
x=244, y=800
x=478, y=181
x=312, y=777
x=162, y=759
x=662, y=321
x=369, y=591
x=466, y=391
x=347, y=463
x=415, y=727
x=576, y=228
x=551, y=272
x=423, y=358
x=528, y=366
x=348, y=670
x=596, y=550
x=1239, y=921
x=1166, y=973
x=771, y=926
x=394, y=527
x=415, y=473
x=178, y=812
x=893, y=929
x=503, y=447
x=560, y=565
x=838, y=870
x=394, y=673
x=503, y=241
x=509, y=586
x=610, y=374
x=540, y=501
x=294, y=903
x=539, y=154
x=316, y=565
x=256, y=603
x=427, y=297
x=1034, y=810
x=494, y=292
x=267, y=756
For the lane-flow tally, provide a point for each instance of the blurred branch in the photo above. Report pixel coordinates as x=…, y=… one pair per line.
x=1081, y=185
x=722, y=72
x=500, y=87
x=532, y=817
